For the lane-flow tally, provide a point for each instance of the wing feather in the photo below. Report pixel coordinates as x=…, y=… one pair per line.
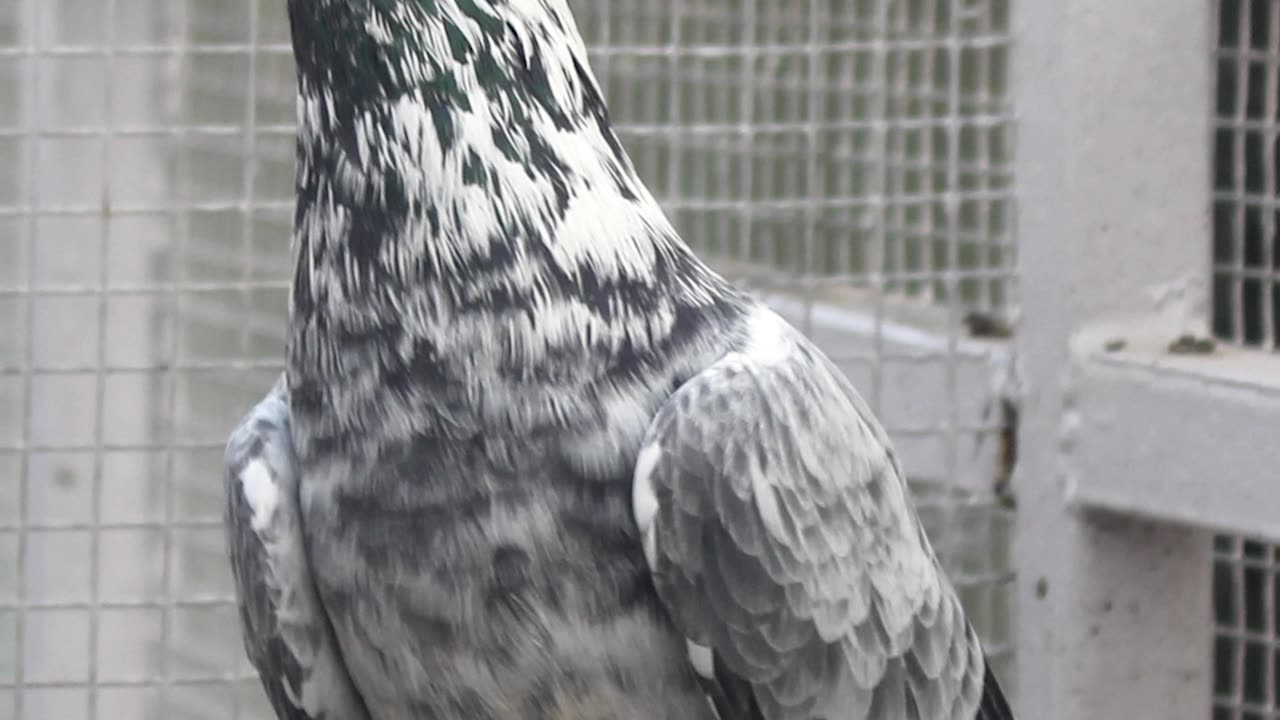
x=286, y=633
x=784, y=538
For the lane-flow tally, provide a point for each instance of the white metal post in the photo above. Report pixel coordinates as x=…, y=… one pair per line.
x=1114, y=100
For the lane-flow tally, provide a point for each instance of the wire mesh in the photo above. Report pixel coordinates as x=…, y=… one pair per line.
x=839, y=142
x=1246, y=256
x=1247, y=642
x=145, y=197
x=1246, y=310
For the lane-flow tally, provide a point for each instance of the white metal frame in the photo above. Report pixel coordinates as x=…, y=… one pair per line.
x=1131, y=453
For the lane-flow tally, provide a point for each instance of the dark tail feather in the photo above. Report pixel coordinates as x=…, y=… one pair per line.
x=993, y=706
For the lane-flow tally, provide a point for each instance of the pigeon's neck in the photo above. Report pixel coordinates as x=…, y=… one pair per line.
x=466, y=218
x=445, y=145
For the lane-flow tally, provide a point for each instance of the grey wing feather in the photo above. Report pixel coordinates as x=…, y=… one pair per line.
x=286, y=633
x=781, y=536
x=994, y=705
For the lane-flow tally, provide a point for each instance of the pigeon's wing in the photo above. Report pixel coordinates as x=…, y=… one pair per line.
x=778, y=528
x=286, y=632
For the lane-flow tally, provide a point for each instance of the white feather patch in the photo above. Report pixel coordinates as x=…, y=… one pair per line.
x=769, y=340
x=644, y=501
x=261, y=493
x=702, y=659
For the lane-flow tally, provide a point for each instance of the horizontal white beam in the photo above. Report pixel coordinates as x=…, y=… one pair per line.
x=1192, y=439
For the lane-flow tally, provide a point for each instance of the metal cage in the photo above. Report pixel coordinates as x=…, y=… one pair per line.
x=853, y=161
x=1246, y=311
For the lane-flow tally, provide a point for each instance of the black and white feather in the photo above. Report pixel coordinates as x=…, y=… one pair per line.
x=286, y=633
x=535, y=459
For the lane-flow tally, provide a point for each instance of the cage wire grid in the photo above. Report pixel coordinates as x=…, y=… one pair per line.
x=1246, y=311
x=835, y=150
x=1246, y=259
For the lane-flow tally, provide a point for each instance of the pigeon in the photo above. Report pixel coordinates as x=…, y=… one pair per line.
x=530, y=457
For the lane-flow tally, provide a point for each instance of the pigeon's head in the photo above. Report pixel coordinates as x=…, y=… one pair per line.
x=372, y=50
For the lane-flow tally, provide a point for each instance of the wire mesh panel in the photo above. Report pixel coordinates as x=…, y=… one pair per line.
x=1247, y=647
x=146, y=155
x=1246, y=310
x=144, y=252
x=1246, y=287
x=842, y=142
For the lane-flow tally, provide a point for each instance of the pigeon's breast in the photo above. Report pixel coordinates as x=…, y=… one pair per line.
x=457, y=573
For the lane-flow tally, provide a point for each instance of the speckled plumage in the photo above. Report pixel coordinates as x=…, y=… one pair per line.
x=492, y=321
